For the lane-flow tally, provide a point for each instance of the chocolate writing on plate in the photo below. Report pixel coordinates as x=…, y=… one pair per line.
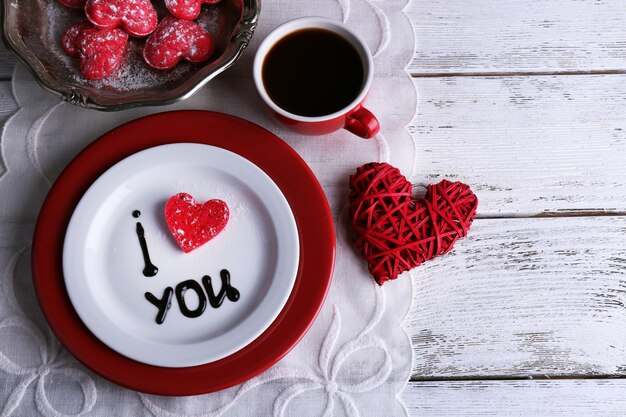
x=204, y=292
x=149, y=269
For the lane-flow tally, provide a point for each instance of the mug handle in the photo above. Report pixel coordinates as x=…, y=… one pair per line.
x=362, y=122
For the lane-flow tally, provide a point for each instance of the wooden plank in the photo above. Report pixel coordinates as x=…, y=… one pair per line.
x=527, y=145
x=559, y=398
x=524, y=297
x=458, y=36
x=7, y=62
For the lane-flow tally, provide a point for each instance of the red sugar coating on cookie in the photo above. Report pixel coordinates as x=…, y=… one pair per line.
x=73, y=4
x=193, y=224
x=187, y=9
x=137, y=17
x=175, y=40
x=100, y=50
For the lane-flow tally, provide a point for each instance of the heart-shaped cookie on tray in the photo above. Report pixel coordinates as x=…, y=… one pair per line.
x=396, y=232
x=186, y=9
x=137, y=17
x=175, y=40
x=100, y=50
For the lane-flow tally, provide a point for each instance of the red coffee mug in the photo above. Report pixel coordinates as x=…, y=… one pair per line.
x=354, y=117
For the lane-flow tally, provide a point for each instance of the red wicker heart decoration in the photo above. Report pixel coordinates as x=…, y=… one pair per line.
x=396, y=232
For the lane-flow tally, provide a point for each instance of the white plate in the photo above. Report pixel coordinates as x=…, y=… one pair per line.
x=103, y=262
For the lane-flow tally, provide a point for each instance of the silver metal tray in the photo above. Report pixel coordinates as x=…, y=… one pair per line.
x=32, y=29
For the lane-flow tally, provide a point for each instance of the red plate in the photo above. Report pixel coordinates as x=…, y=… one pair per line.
x=268, y=152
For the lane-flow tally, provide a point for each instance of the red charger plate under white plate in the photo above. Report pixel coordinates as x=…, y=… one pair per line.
x=285, y=168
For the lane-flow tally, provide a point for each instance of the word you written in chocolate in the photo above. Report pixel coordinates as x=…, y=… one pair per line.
x=204, y=292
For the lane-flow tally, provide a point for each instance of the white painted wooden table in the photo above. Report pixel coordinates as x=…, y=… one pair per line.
x=526, y=101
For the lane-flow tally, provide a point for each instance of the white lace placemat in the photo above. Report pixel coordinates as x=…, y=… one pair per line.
x=355, y=359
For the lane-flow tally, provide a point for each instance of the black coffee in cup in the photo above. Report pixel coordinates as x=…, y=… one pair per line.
x=313, y=72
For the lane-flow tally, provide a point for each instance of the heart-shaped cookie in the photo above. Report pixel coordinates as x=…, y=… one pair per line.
x=137, y=17
x=193, y=224
x=186, y=9
x=100, y=50
x=175, y=40
x=396, y=232
x=70, y=40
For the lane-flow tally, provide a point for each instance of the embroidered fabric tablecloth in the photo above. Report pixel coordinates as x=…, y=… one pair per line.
x=355, y=359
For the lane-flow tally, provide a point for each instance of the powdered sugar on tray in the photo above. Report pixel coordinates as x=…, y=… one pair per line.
x=134, y=74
